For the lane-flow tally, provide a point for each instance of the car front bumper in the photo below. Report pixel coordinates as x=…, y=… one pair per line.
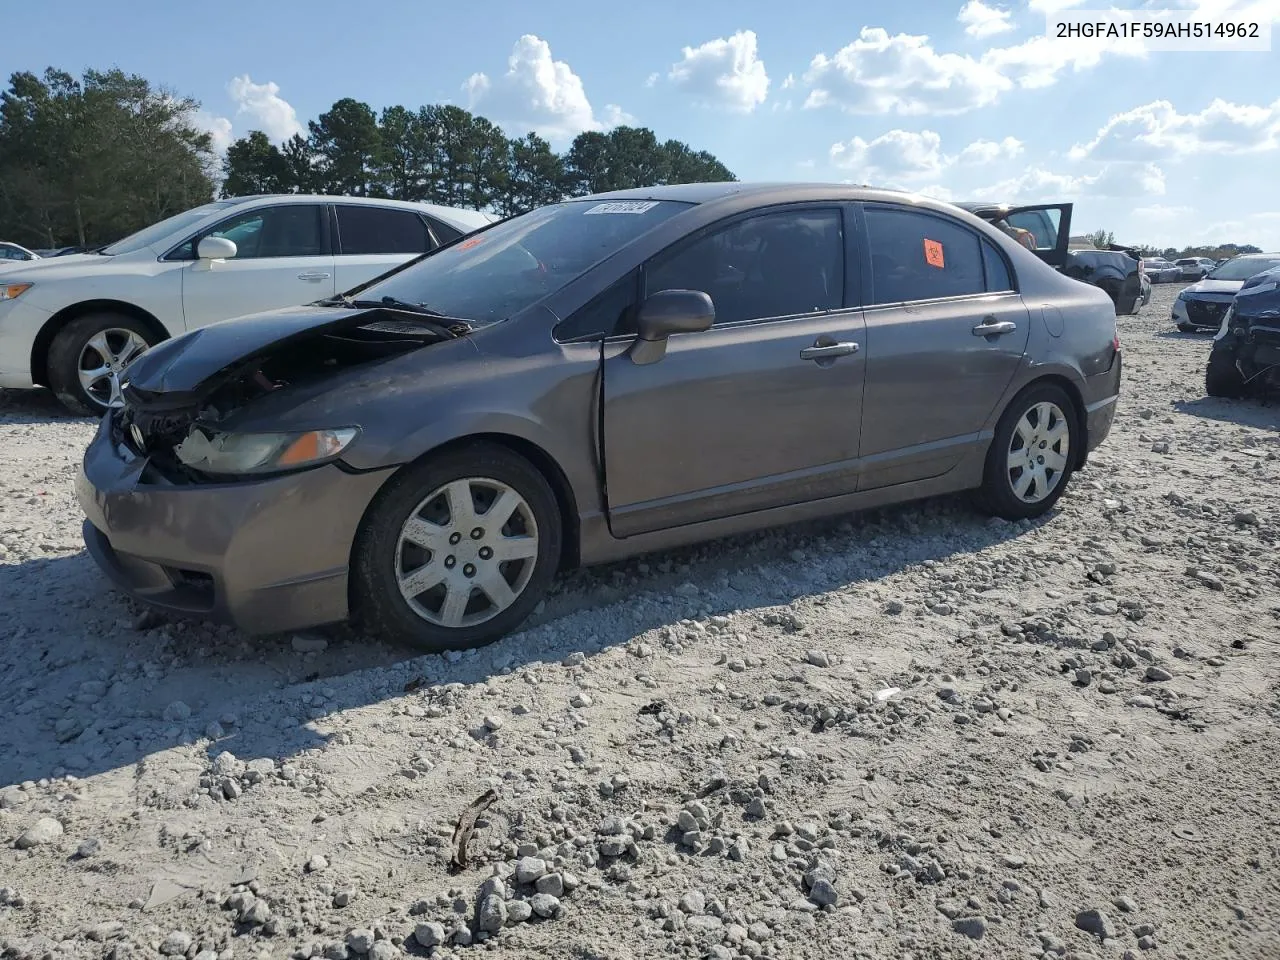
x=1201, y=314
x=266, y=555
x=20, y=323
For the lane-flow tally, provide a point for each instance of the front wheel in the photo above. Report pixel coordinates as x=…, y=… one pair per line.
x=1032, y=454
x=88, y=356
x=457, y=550
x=1222, y=378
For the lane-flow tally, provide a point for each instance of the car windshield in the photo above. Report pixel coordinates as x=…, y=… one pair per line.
x=499, y=272
x=158, y=231
x=1244, y=269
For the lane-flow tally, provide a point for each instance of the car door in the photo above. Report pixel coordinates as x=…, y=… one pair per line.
x=283, y=259
x=747, y=415
x=372, y=239
x=946, y=332
x=1049, y=225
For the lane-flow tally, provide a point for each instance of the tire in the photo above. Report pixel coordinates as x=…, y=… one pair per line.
x=998, y=494
x=382, y=556
x=1222, y=379
x=72, y=347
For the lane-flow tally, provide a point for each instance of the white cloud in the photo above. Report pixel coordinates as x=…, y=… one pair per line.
x=937, y=191
x=898, y=153
x=266, y=109
x=652, y=80
x=1156, y=131
x=1112, y=181
x=915, y=155
x=727, y=72
x=537, y=93
x=879, y=73
x=904, y=74
x=218, y=128
x=615, y=116
x=1161, y=213
x=1050, y=7
x=988, y=151
x=981, y=20
x=789, y=82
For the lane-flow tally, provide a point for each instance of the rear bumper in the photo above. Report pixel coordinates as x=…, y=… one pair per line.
x=266, y=556
x=1101, y=397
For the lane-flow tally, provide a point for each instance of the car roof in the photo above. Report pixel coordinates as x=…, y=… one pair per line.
x=469, y=219
x=768, y=192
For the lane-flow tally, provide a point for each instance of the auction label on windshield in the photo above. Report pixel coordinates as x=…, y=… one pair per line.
x=624, y=206
x=1137, y=31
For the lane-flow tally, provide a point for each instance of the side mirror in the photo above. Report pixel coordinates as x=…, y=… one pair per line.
x=667, y=312
x=216, y=248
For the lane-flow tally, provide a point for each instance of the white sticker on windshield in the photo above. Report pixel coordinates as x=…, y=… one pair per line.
x=624, y=206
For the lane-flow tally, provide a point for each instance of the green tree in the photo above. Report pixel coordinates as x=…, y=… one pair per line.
x=88, y=161
x=537, y=176
x=347, y=146
x=254, y=165
x=1101, y=238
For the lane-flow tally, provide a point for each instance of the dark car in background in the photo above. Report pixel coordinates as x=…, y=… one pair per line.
x=1045, y=229
x=596, y=379
x=1245, y=359
x=1201, y=305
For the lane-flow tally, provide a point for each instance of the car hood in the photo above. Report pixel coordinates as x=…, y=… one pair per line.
x=199, y=361
x=1259, y=298
x=56, y=268
x=1222, y=288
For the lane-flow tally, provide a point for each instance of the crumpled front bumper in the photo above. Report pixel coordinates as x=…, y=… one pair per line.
x=265, y=555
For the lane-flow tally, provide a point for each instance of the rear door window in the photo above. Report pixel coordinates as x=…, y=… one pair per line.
x=381, y=230
x=923, y=256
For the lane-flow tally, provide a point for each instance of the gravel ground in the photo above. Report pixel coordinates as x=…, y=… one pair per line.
x=912, y=733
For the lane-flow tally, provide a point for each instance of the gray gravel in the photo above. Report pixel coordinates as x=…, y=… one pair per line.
x=909, y=733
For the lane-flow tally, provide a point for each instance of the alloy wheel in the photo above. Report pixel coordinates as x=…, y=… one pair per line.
x=1038, y=452
x=466, y=552
x=103, y=359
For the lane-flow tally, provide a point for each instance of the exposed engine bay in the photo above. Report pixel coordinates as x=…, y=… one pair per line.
x=1245, y=359
x=156, y=424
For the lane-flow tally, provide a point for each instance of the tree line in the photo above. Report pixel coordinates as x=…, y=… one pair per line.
x=1221, y=251
x=86, y=161
x=447, y=155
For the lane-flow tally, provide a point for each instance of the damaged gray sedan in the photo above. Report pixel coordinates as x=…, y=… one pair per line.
x=593, y=380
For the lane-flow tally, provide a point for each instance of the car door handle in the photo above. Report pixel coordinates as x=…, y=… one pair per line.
x=991, y=327
x=822, y=351
x=313, y=276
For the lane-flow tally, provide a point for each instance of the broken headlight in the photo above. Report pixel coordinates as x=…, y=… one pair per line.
x=1227, y=314
x=233, y=454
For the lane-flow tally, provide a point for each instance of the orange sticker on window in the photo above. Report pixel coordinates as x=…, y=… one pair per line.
x=468, y=244
x=933, y=254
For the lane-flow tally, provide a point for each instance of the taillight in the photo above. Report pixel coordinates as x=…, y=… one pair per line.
x=1115, y=343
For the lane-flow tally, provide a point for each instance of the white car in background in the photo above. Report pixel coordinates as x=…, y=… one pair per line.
x=73, y=323
x=15, y=253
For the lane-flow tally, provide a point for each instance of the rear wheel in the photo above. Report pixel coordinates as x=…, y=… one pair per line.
x=1222, y=378
x=457, y=550
x=1032, y=454
x=88, y=356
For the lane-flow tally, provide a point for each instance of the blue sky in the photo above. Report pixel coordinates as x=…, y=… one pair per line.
x=964, y=99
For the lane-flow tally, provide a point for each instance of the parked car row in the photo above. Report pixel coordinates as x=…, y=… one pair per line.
x=1201, y=305
x=74, y=322
x=422, y=451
